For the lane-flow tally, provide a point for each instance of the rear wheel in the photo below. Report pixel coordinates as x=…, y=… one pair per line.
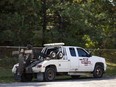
x=50, y=74
x=98, y=71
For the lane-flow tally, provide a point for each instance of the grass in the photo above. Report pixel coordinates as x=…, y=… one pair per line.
x=111, y=69
x=6, y=75
x=6, y=65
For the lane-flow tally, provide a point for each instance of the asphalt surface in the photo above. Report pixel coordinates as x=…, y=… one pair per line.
x=82, y=82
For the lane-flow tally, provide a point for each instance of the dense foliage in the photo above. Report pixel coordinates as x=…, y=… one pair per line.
x=86, y=23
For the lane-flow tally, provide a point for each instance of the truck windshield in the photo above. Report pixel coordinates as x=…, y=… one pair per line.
x=82, y=53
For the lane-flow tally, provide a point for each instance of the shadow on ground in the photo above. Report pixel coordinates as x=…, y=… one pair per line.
x=68, y=78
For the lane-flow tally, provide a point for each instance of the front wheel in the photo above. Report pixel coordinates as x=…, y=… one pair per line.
x=98, y=71
x=50, y=74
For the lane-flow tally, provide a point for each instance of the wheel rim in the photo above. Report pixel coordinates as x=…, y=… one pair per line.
x=51, y=75
x=60, y=55
x=99, y=72
x=53, y=55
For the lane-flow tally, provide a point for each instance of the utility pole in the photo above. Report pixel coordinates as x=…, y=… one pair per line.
x=43, y=20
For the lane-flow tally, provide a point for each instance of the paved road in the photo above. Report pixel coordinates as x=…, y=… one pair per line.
x=82, y=82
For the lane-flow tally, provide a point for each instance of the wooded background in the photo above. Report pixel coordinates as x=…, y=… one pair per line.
x=85, y=23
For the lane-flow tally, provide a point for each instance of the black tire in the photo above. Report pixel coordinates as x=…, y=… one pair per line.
x=75, y=76
x=26, y=77
x=98, y=71
x=50, y=74
x=52, y=55
x=59, y=55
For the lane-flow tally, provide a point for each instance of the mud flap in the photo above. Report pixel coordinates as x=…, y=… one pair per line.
x=40, y=76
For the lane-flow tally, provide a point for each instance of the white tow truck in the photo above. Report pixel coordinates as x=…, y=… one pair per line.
x=55, y=58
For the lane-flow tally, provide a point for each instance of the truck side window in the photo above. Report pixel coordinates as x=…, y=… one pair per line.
x=72, y=51
x=81, y=53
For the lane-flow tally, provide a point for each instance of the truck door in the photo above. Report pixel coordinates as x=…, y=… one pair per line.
x=84, y=62
x=72, y=57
